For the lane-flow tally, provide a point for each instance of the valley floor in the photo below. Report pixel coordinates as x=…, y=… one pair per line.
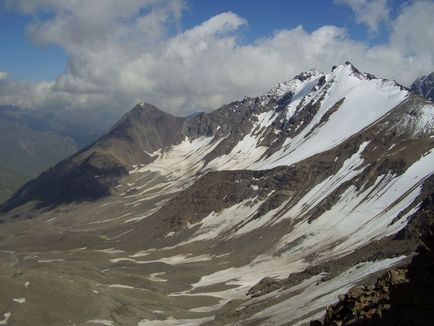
x=96, y=264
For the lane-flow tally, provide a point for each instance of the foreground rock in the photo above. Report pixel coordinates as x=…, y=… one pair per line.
x=402, y=296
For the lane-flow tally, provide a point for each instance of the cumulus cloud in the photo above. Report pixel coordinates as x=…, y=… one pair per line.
x=137, y=52
x=369, y=12
x=3, y=75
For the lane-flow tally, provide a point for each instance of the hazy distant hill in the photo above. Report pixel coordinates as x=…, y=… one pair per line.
x=33, y=140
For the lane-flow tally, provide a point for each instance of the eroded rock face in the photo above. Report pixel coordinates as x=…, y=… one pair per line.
x=365, y=302
x=399, y=297
x=402, y=296
x=424, y=86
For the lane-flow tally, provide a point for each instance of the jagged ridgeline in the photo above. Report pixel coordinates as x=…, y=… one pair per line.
x=259, y=213
x=424, y=86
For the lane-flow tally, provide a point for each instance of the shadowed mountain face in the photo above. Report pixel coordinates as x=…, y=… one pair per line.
x=424, y=86
x=89, y=174
x=141, y=132
x=259, y=213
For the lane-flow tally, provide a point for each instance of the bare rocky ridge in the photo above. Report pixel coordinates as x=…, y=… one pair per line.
x=424, y=86
x=259, y=213
x=90, y=173
x=145, y=129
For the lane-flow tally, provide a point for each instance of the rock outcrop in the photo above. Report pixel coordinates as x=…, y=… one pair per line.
x=424, y=86
x=402, y=296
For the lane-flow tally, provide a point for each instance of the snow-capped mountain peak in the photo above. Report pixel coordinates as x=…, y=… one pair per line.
x=293, y=86
x=349, y=69
x=323, y=174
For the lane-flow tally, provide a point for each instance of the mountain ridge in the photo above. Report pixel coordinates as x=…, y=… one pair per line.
x=424, y=86
x=145, y=130
x=260, y=212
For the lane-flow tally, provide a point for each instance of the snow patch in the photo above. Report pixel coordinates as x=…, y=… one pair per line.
x=174, y=260
x=175, y=322
x=6, y=316
x=155, y=277
x=19, y=300
x=110, y=251
x=101, y=322
x=122, y=286
x=50, y=260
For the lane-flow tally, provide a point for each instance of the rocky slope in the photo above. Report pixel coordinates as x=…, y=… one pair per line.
x=260, y=212
x=424, y=86
x=89, y=173
x=402, y=296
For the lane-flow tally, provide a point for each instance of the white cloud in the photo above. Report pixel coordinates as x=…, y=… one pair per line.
x=134, y=53
x=369, y=12
x=413, y=30
x=3, y=75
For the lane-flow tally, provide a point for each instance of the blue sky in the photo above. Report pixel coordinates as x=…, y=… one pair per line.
x=23, y=59
x=195, y=55
x=266, y=16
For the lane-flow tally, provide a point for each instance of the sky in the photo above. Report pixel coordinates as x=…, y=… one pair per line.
x=186, y=56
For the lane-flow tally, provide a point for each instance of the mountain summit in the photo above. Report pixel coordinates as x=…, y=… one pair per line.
x=307, y=115
x=424, y=86
x=260, y=212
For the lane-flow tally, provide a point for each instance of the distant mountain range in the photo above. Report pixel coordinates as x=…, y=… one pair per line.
x=259, y=213
x=33, y=140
